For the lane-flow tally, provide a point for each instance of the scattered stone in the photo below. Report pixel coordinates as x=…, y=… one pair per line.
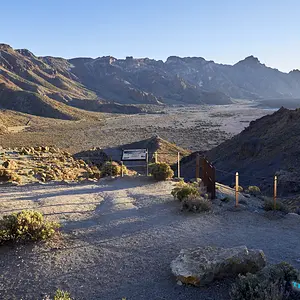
x=10, y=164
x=203, y=265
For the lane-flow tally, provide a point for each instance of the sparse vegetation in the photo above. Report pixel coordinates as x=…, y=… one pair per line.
x=240, y=188
x=226, y=199
x=196, y=203
x=161, y=171
x=269, y=205
x=112, y=168
x=26, y=226
x=184, y=190
x=62, y=295
x=253, y=190
x=271, y=283
x=9, y=176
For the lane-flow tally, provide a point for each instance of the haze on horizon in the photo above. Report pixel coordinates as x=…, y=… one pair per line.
x=223, y=31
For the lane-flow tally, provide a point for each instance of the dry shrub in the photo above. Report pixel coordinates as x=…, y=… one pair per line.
x=62, y=295
x=161, y=171
x=240, y=188
x=269, y=205
x=112, y=168
x=253, y=190
x=271, y=283
x=184, y=190
x=26, y=226
x=9, y=176
x=196, y=203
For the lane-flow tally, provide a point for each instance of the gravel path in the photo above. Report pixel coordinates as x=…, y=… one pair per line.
x=124, y=247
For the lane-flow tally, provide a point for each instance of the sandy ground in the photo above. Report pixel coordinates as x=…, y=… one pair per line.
x=122, y=234
x=191, y=127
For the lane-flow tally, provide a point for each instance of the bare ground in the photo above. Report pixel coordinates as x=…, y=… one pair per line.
x=120, y=237
x=192, y=128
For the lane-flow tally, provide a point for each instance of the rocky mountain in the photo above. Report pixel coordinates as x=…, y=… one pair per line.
x=61, y=88
x=269, y=146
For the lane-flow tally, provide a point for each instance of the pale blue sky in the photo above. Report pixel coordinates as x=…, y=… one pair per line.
x=225, y=31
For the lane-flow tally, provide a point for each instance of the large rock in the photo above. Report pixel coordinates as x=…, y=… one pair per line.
x=201, y=266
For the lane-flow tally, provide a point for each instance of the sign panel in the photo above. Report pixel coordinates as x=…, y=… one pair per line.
x=134, y=154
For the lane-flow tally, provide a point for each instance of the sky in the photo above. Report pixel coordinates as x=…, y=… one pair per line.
x=225, y=31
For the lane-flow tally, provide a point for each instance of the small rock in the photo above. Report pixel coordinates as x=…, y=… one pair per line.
x=179, y=282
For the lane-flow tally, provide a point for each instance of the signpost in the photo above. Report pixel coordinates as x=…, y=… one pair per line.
x=132, y=155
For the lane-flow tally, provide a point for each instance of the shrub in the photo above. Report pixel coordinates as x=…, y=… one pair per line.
x=240, y=188
x=8, y=175
x=196, y=204
x=226, y=199
x=112, y=169
x=183, y=191
x=271, y=283
x=94, y=173
x=161, y=171
x=62, y=295
x=26, y=225
x=269, y=205
x=253, y=190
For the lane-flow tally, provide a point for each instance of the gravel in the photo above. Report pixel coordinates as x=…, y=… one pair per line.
x=125, y=246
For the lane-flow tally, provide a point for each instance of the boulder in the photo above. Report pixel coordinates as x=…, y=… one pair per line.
x=201, y=266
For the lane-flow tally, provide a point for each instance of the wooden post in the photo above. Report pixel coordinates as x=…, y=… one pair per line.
x=122, y=170
x=155, y=157
x=110, y=166
x=178, y=165
x=275, y=191
x=197, y=166
x=147, y=162
x=236, y=189
x=213, y=178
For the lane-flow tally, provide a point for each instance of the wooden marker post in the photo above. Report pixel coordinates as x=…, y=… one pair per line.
x=147, y=163
x=236, y=189
x=178, y=165
x=197, y=166
x=111, y=166
x=122, y=170
x=155, y=157
x=275, y=191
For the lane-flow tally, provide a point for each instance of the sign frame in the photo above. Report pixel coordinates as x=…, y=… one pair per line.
x=134, y=155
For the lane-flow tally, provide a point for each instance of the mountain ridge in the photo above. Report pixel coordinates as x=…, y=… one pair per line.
x=54, y=85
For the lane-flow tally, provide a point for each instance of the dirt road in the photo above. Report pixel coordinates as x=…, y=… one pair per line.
x=121, y=237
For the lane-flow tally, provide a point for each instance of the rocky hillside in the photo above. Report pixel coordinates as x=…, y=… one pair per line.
x=166, y=151
x=269, y=146
x=60, y=88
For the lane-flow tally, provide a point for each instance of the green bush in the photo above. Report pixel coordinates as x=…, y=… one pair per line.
x=271, y=283
x=269, y=205
x=112, y=169
x=253, y=190
x=183, y=191
x=26, y=225
x=196, y=204
x=240, y=188
x=161, y=171
x=62, y=295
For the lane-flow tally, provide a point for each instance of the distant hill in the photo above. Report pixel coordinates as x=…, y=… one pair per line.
x=166, y=151
x=269, y=146
x=60, y=88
